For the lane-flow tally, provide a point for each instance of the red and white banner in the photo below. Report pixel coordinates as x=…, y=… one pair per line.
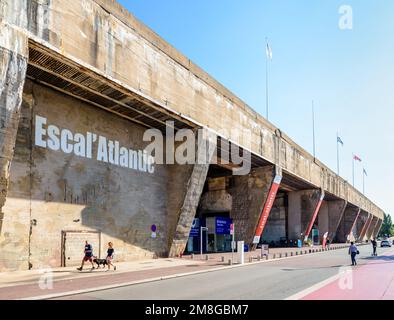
x=310, y=226
x=267, y=208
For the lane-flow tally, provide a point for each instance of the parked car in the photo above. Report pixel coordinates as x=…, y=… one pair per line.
x=385, y=243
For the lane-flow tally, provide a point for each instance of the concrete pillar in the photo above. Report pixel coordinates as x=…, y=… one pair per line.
x=371, y=227
x=366, y=222
x=249, y=194
x=192, y=198
x=348, y=224
x=336, y=210
x=377, y=228
x=323, y=220
x=13, y=65
x=302, y=207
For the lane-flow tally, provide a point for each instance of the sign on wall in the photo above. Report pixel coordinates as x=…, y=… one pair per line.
x=90, y=145
x=195, y=230
x=223, y=225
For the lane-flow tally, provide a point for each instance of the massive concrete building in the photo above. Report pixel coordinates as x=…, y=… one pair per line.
x=76, y=76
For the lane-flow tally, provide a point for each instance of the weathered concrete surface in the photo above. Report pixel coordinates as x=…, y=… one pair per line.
x=249, y=194
x=62, y=192
x=216, y=199
x=371, y=228
x=377, y=228
x=194, y=190
x=336, y=209
x=302, y=205
x=276, y=225
x=104, y=35
x=345, y=227
x=13, y=64
x=365, y=226
x=323, y=219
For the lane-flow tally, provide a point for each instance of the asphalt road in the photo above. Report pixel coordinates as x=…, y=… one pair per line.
x=267, y=281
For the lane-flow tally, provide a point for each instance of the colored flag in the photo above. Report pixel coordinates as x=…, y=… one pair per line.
x=339, y=140
x=357, y=158
x=365, y=172
x=268, y=51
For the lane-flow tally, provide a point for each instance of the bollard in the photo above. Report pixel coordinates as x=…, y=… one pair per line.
x=267, y=257
x=291, y=254
x=274, y=257
x=207, y=257
x=296, y=253
x=192, y=256
x=230, y=262
x=306, y=252
x=222, y=259
x=250, y=259
x=280, y=255
x=301, y=252
x=286, y=255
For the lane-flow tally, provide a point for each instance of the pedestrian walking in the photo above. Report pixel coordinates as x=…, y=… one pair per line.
x=328, y=243
x=374, y=247
x=353, y=251
x=110, y=256
x=88, y=255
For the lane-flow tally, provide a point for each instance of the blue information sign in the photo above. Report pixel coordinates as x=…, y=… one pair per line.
x=223, y=225
x=195, y=230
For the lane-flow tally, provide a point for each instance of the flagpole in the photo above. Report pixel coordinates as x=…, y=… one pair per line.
x=353, y=170
x=338, y=152
x=363, y=182
x=313, y=125
x=266, y=79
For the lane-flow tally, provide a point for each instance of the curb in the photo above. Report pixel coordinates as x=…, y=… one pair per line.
x=174, y=276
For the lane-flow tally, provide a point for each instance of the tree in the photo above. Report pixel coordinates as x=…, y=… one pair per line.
x=387, y=227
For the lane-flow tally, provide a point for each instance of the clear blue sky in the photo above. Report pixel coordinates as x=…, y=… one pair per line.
x=348, y=73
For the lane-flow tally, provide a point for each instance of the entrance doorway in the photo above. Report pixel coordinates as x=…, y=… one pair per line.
x=73, y=243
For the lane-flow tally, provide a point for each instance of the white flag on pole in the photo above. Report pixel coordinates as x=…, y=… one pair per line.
x=268, y=52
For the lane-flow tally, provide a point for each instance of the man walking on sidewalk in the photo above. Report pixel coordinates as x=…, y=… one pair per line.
x=353, y=251
x=88, y=255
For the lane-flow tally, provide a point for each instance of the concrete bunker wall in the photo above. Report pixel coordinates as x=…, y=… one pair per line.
x=52, y=192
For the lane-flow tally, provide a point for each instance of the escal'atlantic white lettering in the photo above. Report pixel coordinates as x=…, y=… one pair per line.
x=108, y=151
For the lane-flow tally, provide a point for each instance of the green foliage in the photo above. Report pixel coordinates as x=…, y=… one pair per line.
x=387, y=227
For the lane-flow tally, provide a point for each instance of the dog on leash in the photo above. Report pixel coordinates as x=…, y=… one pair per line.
x=100, y=262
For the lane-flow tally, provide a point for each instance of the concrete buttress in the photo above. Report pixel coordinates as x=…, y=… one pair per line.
x=193, y=194
x=13, y=65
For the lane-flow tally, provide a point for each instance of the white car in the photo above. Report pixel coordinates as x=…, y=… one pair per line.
x=385, y=243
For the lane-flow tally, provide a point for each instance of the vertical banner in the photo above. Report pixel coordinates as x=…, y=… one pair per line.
x=353, y=225
x=310, y=226
x=267, y=208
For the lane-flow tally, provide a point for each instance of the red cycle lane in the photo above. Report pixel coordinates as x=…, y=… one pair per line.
x=371, y=281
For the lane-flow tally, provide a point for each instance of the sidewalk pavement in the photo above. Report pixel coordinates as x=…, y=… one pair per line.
x=372, y=281
x=46, y=282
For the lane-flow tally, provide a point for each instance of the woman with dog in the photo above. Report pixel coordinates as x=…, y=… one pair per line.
x=110, y=256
